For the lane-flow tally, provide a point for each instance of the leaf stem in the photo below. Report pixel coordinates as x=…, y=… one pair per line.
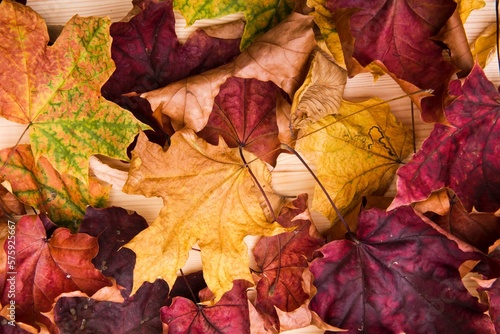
x=345, y=117
x=268, y=202
x=337, y=211
x=188, y=286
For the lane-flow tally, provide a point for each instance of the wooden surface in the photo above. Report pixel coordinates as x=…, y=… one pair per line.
x=289, y=177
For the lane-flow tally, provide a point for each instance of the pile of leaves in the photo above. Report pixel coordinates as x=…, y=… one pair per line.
x=201, y=124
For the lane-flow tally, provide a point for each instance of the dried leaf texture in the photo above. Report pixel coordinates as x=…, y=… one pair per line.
x=399, y=275
x=398, y=35
x=464, y=156
x=227, y=316
x=210, y=198
x=278, y=56
x=244, y=115
x=356, y=153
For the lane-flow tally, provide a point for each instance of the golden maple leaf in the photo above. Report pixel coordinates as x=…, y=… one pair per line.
x=356, y=152
x=210, y=199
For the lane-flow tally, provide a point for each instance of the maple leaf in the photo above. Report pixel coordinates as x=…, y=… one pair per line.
x=63, y=198
x=148, y=55
x=281, y=260
x=223, y=210
x=400, y=274
x=244, y=115
x=55, y=90
x=229, y=315
x=324, y=75
x=397, y=36
x=464, y=156
x=139, y=314
x=479, y=229
x=260, y=15
x=278, y=56
x=484, y=47
x=9, y=204
x=114, y=227
x=48, y=265
x=356, y=153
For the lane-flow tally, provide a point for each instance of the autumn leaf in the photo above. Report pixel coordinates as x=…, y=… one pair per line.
x=465, y=7
x=260, y=15
x=9, y=204
x=281, y=260
x=55, y=89
x=399, y=274
x=48, y=265
x=397, y=36
x=484, y=47
x=278, y=56
x=210, y=198
x=356, y=153
x=63, y=198
x=310, y=103
x=479, y=229
x=114, y=227
x=148, y=55
x=229, y=315
x=463, y=156
x=244, y=115
x=139, y=314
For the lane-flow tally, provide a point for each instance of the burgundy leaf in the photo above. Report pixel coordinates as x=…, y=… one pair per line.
x=137, y=314
x=464, y=156
x=283, y=258
x=481, y=230
x=46, y=266
x=229, y=315
x=398, y=34
x=244, y=114
x=114, y=227
x=148, y=55
x=399, y=276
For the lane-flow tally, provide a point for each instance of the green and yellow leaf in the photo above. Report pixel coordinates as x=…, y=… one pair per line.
x=56, y=89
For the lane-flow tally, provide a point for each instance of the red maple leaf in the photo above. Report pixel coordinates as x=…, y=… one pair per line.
x=399, y=275
x=283, y=258
x=244, y=114
x=48, y=265
x=229, y=315
x=398, y=34
x=464, y=156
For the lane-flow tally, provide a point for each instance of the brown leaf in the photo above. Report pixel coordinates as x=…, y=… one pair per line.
x=278, y=56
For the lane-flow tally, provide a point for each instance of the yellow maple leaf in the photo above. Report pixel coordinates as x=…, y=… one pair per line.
x=356, y=153
x=210, y=199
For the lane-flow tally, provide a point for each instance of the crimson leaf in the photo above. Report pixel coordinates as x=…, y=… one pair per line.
x=244, y=114
x=398, y=33
x=464, y=156
x=283, y=258
x=399, y=275
x=229, y=315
